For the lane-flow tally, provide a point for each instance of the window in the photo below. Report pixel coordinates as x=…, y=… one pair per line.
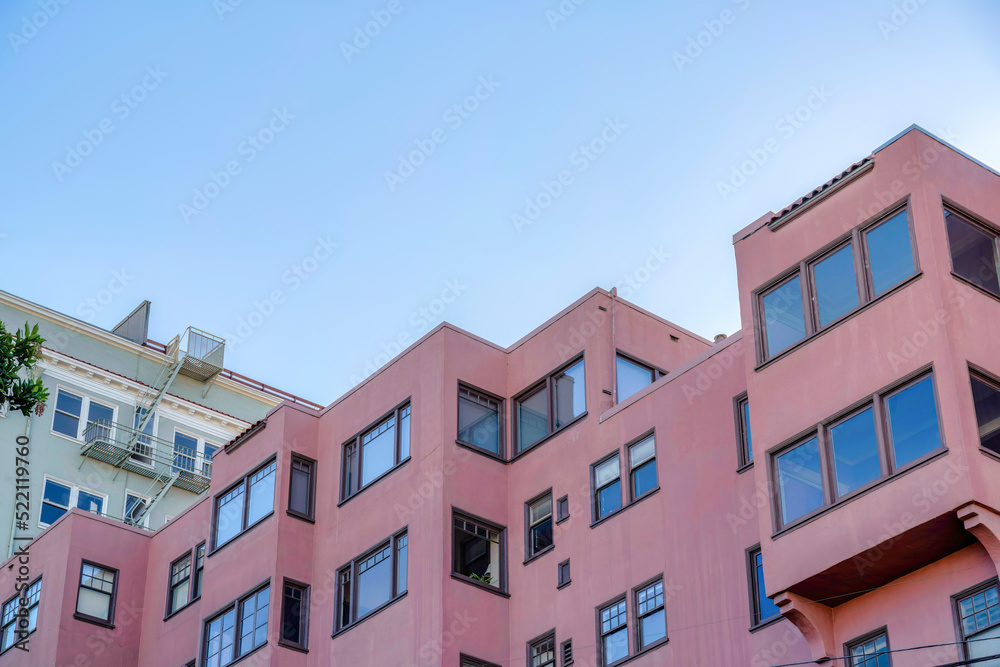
x=607, y=487
x=550, y=405
x=979, y=617
x=135, y=509
x=206, y=464
x=651, y=615
x=824, y=288
x=743, y=430
x=294, y=614
x=761, y=606
x=642, y=467
x=480, y=421
x=199, y=569
x=562, y=509
x=301, y=487
x=563, y=574
x=633, y=376
x=19, y=615
x=372, y=580
x=244, y=504
x=145, y=448
x=95, y=599
x=466, y=661
x=542, y=651
x=375, y=451
x=58, y=497
x=192, y=454
x=478, y=551
x=538, y=525
x=613, y=621
x=973, y=251
x=67, y=418
x=566, y=649
x=844, y=454
x=180, y=583
x=986, y=396
x=237, y=630
x=871, y=651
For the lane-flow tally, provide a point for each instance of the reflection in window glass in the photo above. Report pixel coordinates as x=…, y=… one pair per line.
x=570, y=394
x=608, y=485
x=836, y=285
x=890, y=253
x=800, y=481
x=374, y=581
x=479, y=420
x=261, y=493
x=532, y=418
x=855, y=452
x=871, y=653
x=973, y=253
x=913, y=422
x=378, y=450
x=987, y=400
x=783, y=319
x=765, y=606
x=631, y=377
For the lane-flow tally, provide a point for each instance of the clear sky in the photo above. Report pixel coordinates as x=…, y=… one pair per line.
x=271, y=173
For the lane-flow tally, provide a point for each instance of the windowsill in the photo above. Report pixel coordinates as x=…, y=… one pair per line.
x=548, y=437
x=639, y=654
x=548, y=549
x=479, y=450
x=973, y=285
x=563, y=520
x=621, y=509
x=989, y=452
x=75, y=441
x=300, y=516
x=180, y=609
x=294, y=647
x=248, y=653
x=766, y=622
x=364, y=618
x=563, y=585
x=743, y=468
x=836, y=323
x=93, y=621
x=241, y=534
x=479, y=584
x=374, y=482
x=862, y=491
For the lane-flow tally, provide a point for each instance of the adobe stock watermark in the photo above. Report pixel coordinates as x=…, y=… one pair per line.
x=89, y=308
x=581, y=159
x=30, y=25
x=122, y=106
x=420, y=321
x=457, y=113
x=430, y=483
x=223, y=7
x=364, y=34
x=294, y=277
x=927, y=330
x=248, y=149
x=786, y=127
x=901, y=14
x=634, y=280
x=562, y=12
x=703, y=40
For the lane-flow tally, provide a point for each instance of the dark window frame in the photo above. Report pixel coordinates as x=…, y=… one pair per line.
x=200, y=553
x=302, y=645
x=540, y=639
x=310, y=514
x=595, y=490
x=562, y=509
x=501, y=421
x=21, y=611
x=490, y=525
x=655, y=371
x=529, y=554
x=956, y=601
x=977, y=222
x=562, y=582
x=566, y=651
x=236, y=607
x=245, y=482
x=631, y=496
x=984, y=377
x=821, y=432
x=637, y=632
x=548, y=383
x=468, y=661
x=753, y=586
x=858, y=238
x=191, y=556
x=351, y=569
x=616, y=600
x=867, y=637
x=110, y=621
x=744, y=451
x=352, y=453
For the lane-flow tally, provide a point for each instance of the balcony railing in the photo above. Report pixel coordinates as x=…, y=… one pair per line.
x=124, y=447
x=202, y=353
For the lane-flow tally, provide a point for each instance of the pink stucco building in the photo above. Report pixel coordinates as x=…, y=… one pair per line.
x=818, y=487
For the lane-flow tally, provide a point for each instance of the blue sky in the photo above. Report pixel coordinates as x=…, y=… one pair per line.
x=272, y=173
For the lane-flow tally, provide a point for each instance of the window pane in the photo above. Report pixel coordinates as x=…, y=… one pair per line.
x=748, y=444
x=291, y=611
x=90, y=502
x=642, y=451
x=300, y=487
x=987, y=400
x=765, y=605
x=607, y=471
x=378, y=451
x=783, y=318
x=644, y=478
x=855, y=452
x=50, y=513
x=261, y=494
x=404, y=433
x=541, y=535
x=973, y=253
x=532, y=418
x=653, y=627
x=913, y=422
x=134, y=505
x=609, y=499
x=56, y=493
x=374, y=581
x=230, y=518
x=800, y=481
x=477, y=552
x=179, y=597
x=402, y=547
x=479, y=421
x=988, y=644
x=631, y=377
x=94, y=603
x=836, y=285
x=185, y=451
x=890, y=253
x=616, y=646
x=570, y=390
x=69, y=423
x=540, y=509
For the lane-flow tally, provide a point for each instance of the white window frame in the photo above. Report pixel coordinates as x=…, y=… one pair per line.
x=144, y=498
x=74, y=495
x=85, y=402
x=200, y=449
x=156, y=424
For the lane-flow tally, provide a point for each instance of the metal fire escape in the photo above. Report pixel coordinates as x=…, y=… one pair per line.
x=134, y=448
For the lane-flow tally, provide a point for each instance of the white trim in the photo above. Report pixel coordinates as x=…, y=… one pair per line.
x=74, y=495
x=84, y=416
x=144, y=498
x=199, y=447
